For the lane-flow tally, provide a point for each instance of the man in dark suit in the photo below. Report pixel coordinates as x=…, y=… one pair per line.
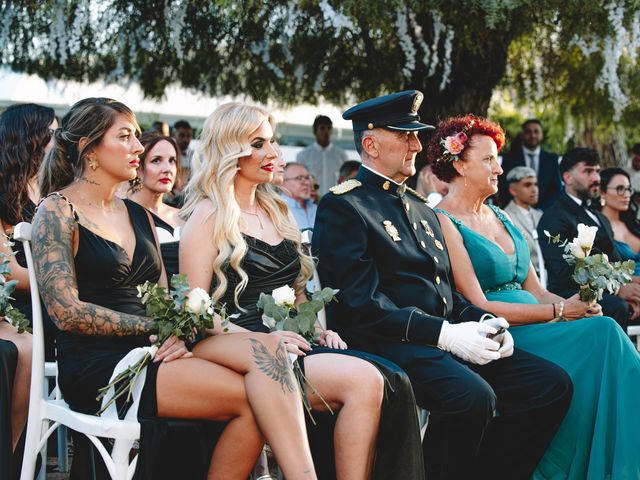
x=531, y=155
x=381, y=245
x=580, y=170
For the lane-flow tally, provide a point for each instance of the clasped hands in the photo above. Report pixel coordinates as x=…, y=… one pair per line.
x=172, y=349
x=469, y=340
x=297, y=344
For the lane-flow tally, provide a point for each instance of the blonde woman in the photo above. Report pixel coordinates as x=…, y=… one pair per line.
x=255, y=247
x=91, y=249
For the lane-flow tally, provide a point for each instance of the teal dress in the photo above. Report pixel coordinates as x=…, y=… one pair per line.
x=599, y=438
x=627, y=254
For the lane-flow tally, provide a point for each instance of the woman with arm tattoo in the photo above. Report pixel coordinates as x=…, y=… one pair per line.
x=25, y=137
x=239, y=241
x=91, y=249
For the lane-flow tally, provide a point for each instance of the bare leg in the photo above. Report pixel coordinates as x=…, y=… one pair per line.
x=272, y=393
x=194, y=388
x=21, y=381
x=355, y=388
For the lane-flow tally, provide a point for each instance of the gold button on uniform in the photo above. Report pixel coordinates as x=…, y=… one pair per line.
x=422, y=244
x=386, y=185
x=435, y=259
x=407, y=206
x=444, y=300
x=438, y=279
x=415, y=226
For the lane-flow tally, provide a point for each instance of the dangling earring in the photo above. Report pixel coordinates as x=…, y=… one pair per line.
x=465, y=180
x=93, y=163
x=136, y=184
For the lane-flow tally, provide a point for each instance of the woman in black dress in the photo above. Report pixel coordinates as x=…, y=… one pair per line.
x=239, y=241
x=25, y=138
x=91, y=249
x=160, y=170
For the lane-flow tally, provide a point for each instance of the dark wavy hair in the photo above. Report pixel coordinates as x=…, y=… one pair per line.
x=629, y=217
x=150, y=140
x=24, y=134
x=89, y=118
x=470, y=125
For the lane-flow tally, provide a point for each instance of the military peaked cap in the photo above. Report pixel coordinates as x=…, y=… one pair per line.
x=397, y=111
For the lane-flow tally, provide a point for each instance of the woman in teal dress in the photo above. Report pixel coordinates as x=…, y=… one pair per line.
x=616, y=191
x=599, y=437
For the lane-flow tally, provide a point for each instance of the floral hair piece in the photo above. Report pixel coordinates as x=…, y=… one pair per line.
x=453, y=145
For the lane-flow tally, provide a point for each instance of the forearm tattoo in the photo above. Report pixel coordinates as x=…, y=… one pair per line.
x=277, y=367
x=53, y=227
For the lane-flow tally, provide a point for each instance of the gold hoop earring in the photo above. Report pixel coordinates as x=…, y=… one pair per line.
x=93, y=163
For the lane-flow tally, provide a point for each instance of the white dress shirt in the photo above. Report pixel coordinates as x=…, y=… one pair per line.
x=323, y=163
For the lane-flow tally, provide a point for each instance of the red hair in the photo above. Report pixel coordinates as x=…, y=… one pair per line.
x=470, y=125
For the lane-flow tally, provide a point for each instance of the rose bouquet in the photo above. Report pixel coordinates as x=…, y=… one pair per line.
x=178, y=312
x=593, y=273
x=13, y=315
x=280, y=312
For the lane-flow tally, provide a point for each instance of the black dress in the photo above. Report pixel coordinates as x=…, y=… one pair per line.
x=107, y=276
x=399, y=451
x=168, y=250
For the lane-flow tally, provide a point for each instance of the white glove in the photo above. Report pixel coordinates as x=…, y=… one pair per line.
x=504, y=339
x=468, y=340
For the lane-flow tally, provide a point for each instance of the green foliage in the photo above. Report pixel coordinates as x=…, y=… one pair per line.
x=595, y=275
x=301, y=320
x=310, y=50
x=13, y=315
x=172, y=316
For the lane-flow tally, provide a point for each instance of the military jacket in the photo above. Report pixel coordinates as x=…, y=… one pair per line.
x=381, y=245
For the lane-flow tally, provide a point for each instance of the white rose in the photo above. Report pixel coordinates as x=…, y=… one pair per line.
x=576, y=250
x=198, y=301
x=586, y=236
x=284, y=296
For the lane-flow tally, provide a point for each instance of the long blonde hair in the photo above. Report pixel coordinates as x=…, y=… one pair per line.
x=225, y=139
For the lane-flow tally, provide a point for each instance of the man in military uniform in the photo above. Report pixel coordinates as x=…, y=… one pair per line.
x=381, y=245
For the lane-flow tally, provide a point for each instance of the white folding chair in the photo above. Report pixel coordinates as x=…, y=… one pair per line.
x=315, y=279
x=634, y=331
x=46, y=414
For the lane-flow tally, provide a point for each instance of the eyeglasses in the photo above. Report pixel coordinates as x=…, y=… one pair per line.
x=621, y=190
x=299, y=178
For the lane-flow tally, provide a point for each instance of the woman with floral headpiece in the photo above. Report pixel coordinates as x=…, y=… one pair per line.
x=490, y=262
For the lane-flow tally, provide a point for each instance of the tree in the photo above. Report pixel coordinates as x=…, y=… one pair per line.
x=573, y=55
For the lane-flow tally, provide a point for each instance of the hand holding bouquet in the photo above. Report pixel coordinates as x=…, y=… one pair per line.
x=593, y=273
x=280, y=313
x=179, y=313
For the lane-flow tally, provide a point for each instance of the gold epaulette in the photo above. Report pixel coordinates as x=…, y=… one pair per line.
x=345, y=187
x=417, y=195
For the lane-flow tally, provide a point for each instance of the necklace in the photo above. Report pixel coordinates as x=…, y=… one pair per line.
x=255, y=215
